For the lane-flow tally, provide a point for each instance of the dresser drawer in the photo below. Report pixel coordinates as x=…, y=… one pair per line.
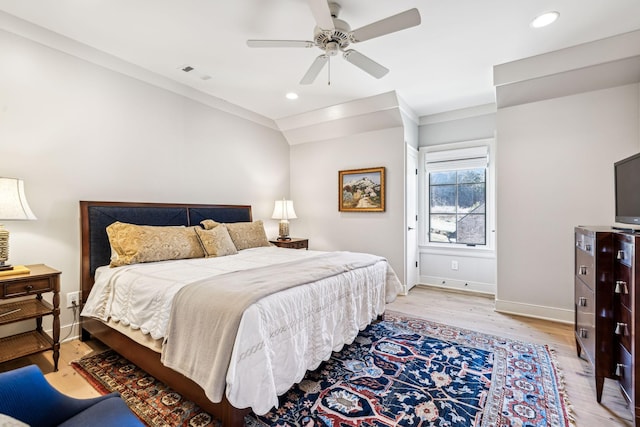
x=585, y=267
x=585, y=318
x=624, y=371
x=622, y=285
x=622, y=327
x=21, y=288
x=623, y=251
x=585, y=243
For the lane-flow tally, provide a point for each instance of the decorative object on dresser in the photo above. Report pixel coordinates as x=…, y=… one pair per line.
x=594, y=300
x=283, y=210
x=292, y=243
x=361, y=190
x=13, y=206
x=39, y=280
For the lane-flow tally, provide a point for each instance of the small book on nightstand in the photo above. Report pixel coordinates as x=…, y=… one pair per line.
x=17, y=269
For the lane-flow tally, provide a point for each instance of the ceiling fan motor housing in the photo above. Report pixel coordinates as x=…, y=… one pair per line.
x=339, y=35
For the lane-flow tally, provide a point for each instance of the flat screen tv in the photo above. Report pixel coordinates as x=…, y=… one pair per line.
x=627, y=190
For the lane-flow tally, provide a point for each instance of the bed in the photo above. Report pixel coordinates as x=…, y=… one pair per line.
x=265, y=342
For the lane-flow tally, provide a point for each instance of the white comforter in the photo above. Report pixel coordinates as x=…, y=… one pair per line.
x=295, y=329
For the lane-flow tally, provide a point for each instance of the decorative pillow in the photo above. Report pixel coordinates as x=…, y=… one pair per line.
x=247, y=234
x=146, y=243
x=216, y=242
x=209, y=224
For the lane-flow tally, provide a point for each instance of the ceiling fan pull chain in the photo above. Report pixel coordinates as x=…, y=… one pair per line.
x=329, y=72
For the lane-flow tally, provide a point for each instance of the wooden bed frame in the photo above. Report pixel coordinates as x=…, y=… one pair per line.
x=96, y=251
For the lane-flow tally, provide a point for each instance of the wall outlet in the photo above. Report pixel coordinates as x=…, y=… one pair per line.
x=73, y=298
x=454, y=264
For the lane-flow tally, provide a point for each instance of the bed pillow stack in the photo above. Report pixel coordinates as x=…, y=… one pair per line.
x=132, y=244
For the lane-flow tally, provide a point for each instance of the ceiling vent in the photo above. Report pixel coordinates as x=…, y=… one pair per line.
x=192, y=71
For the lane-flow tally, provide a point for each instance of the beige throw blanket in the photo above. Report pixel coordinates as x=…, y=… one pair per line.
x=205, y=316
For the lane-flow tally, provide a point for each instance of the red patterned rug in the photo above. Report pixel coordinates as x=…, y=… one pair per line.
x=401, y=371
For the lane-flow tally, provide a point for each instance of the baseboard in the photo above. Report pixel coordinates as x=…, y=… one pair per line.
x=553, y=314
x=67, y=332
x=457, y=291
x=462, y=285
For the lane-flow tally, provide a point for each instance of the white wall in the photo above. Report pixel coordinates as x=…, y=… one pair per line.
x=76, y=131
x=314, y=189
x=476, y=268
x=555, y=171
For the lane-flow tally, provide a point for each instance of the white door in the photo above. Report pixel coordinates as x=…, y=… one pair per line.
x=411, y=276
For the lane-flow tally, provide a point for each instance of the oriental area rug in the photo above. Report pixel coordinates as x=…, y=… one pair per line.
x=398, y=372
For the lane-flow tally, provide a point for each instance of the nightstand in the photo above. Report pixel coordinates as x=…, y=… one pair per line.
x=293, y=243
x=40, y=279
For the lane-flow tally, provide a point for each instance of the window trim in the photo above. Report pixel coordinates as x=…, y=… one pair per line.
x=448, y=153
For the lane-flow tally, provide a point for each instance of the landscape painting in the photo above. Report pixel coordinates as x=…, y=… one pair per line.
x=361, y=190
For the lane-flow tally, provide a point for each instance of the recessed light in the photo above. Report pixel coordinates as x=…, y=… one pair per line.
x=545, y=19
x=292, y=95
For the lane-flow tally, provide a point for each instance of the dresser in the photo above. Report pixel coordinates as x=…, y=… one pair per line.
x=626, y=307
x=594, y=300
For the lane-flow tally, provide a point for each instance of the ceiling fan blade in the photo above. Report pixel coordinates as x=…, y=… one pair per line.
x=321, y=14
x=314, y=70
x=280, y=43
x=365, y=63
x=407, y=19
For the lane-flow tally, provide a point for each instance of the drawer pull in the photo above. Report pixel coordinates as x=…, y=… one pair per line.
x=582, y=302
x=619, y=369
x=621, y=287
x=620, y=255
x=584, y=333
x=587, y=248
x=28, y=288
x=620, y=328
x=582, y=270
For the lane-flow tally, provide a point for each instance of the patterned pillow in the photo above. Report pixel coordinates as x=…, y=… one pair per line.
x=216, y=242
x=209, y=224
x=247, y=235
x=146, y=243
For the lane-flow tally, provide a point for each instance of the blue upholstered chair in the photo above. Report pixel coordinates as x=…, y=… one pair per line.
x=26, y=395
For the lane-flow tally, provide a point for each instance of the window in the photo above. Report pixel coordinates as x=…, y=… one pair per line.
x=456, y=196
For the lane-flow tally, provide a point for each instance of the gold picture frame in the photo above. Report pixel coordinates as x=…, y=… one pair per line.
x=361, y=190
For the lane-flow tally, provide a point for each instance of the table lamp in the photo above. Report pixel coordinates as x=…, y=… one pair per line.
x=13, y=206
x=284, y=211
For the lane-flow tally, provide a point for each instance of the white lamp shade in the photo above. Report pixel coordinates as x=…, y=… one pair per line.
x=284, y=210
x=13, y=202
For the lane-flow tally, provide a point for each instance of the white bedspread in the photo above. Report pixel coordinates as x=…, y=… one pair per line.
x=280, y=336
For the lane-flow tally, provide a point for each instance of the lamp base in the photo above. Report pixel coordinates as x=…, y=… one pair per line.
x=283, y=230
x=5, y=267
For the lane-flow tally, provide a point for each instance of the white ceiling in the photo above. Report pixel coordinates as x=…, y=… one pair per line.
x=444, y=64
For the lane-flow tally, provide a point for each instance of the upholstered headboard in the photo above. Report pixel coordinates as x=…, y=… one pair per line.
x=96, y=216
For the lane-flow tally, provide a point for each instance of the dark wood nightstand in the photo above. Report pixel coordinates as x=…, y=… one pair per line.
x=40, y=279
x=293, y=243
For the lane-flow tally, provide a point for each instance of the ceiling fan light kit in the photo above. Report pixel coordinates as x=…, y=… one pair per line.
x=333, y=35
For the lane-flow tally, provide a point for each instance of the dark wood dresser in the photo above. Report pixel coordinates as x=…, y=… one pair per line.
x=626, y=302
x=594, y=300
x=607, y=299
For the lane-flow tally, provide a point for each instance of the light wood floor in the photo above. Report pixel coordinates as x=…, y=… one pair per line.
x=453, y=308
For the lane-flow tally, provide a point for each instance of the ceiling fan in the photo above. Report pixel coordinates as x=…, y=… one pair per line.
x=333, y=35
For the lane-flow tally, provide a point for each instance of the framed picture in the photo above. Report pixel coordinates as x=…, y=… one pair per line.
x=361, y=190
